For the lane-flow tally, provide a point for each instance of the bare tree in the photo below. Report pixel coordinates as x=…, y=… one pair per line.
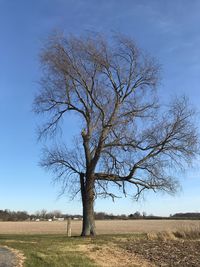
x=126, y=139
x=43, y=213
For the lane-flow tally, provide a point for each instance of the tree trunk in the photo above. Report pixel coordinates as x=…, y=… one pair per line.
x=87, y=192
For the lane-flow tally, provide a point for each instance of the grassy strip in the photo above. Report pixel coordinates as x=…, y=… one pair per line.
x=49, y=250
x=62, y=251
x=59, y=250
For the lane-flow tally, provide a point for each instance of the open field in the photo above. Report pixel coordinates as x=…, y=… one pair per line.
x=103, y=227
x=132, y=250
x=119, y=243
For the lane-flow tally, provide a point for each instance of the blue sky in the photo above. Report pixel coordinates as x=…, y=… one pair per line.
x=168, y=30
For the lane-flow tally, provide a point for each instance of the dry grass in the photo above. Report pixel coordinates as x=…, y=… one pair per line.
x=188, y=233
x=103, y=227
x=111, y=255
x=162, y=236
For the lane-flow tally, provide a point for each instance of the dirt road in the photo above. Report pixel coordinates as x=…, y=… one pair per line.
x=7, y=258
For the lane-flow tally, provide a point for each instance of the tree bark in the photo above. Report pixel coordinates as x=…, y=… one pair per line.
x=87, y=192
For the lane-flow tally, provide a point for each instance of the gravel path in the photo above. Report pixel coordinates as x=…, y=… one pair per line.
x=7, y=258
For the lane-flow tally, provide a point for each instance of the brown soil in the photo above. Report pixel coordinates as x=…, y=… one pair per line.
x=167, y=253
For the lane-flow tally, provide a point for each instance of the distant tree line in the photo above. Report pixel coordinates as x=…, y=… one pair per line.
x=136, y=215
x=8, y=215
x=44, y=215
x=143, y=215
x=187, y=215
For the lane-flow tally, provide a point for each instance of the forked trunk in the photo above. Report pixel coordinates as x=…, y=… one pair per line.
x=87, y=192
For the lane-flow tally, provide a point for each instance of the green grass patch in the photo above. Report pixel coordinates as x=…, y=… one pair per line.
x=59, y=250
x=49, y=250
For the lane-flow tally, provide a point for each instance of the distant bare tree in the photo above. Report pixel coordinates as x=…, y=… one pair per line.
x=56, y=213
x=43, y=214
x=126, y=139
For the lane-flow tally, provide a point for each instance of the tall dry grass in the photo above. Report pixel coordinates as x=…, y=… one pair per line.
x=188, y=233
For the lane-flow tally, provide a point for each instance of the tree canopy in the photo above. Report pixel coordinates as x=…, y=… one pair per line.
x=126, y=139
